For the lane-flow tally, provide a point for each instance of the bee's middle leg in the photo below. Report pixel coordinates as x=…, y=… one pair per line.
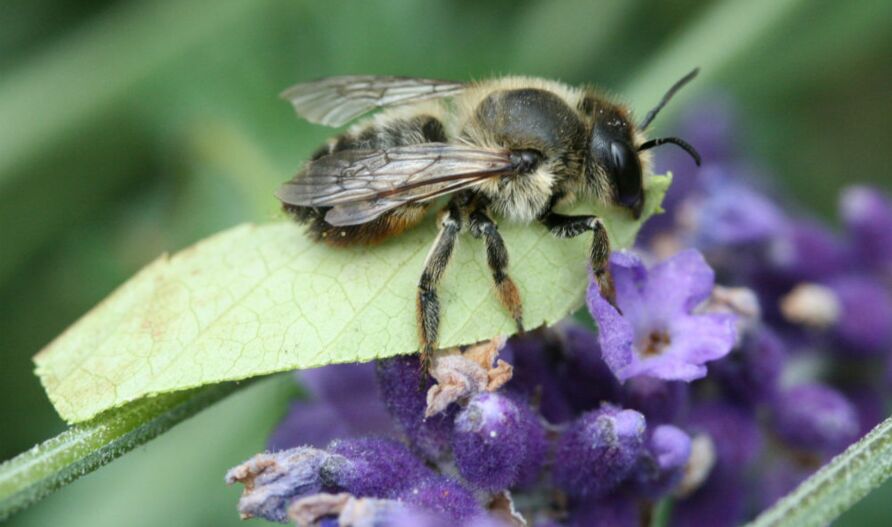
x=497, y=258
x=564, y=226
x=428, y=303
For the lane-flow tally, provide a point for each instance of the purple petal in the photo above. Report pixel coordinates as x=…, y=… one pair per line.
x=678, y=285
x=703, y=338
x=615, y=334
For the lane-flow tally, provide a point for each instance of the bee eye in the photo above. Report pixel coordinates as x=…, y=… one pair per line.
x=625, y=168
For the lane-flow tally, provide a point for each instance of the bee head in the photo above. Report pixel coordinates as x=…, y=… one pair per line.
x=613, y=152
x=613, y=149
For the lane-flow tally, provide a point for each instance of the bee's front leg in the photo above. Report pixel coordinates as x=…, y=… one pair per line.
x=497, y=258
x=428, y=304
x=564, y=226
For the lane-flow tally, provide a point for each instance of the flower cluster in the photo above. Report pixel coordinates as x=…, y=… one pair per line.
x=720, y=398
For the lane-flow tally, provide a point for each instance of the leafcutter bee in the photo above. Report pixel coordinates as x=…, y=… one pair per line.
x=513, y=147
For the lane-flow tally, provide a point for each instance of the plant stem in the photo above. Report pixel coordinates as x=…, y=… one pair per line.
x=837, y=486
x=83, y=448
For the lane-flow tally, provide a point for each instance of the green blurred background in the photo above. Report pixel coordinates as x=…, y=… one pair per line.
x=131, y=128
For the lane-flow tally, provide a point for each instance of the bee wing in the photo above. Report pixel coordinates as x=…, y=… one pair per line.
x=334, y=101
x=360, y=185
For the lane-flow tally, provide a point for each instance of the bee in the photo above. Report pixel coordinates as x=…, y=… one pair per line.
x=514, y=148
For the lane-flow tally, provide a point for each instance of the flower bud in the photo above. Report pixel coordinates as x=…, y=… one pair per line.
x=660, y=401
x=867, y=214
x=444, y=497
x=273, y=480
x=536, y=446
x=489, y=441
x=404, y=391
x=599, y=451
x=815, y=417
x=734, y=433
x=664, y=461
x=370, y=467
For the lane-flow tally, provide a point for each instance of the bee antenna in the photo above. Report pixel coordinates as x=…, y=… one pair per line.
x=669, y=94
x=684, y=145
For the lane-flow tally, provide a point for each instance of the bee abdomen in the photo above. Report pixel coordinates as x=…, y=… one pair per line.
x=374, y=136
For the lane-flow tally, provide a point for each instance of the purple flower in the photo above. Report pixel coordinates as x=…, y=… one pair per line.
x=584, y=376
x=657, y=334
x=719, y=502
x=444, y=497
x=734, y=433
x=867, y=214
x=663, y=464
x=815, y=417
x=750, y=373
x=731, y=213
x=273, y=480
x=335, y=410
x=598, y=451
x=864, y=325
x=660, y=401
x=489, y=441
x=535, y=359
x=370, y=467
x=536, y=447
x=404, y=394
x=808, y=251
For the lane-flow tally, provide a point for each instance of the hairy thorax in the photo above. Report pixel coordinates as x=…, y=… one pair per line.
x=528, y=118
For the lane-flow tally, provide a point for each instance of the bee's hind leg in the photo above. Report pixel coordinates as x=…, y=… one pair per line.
x=564, y=226
x=497, y=258
x=428, y=304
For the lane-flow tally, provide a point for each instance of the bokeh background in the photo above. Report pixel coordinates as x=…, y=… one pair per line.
x=129, y=128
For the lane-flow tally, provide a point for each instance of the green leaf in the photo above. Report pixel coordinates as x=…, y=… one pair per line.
x=261, y=299
x=837, y=486
x=85, y=447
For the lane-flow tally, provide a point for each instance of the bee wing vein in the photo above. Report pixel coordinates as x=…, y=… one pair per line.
x=362, y=184
x=334, y=101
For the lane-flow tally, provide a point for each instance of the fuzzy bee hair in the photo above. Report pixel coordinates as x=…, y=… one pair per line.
x=513, y=148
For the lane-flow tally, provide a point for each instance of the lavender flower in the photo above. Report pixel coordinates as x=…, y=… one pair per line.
x=657, y=333
x=370, y=467
x=443, y=497
x=663, y=463
x=660, y=401
x=489, y=441
x=731, y=213
x=868, y=216
x=864, y=324
x=750, y=374
x=273, y=481
x=734, y=432
x=536, y=374
x=334, y=411
x=599, y=451
x=404, y=392
x=585, y=378
x=815, y=417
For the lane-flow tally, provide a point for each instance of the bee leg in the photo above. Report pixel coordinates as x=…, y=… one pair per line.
x=564, y=226
x=497, y=258
x=428, y=304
